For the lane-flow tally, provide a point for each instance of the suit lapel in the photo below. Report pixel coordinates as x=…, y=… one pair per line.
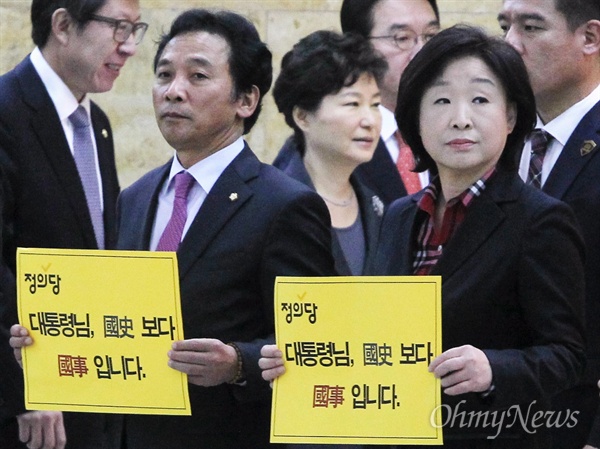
x=582, y=146
x=371, y=210
x=381, y=174
x=400, y=256
x=143, y=212
x=46, y=124
x=106, y=164
x=482, y=219
x=227, y=196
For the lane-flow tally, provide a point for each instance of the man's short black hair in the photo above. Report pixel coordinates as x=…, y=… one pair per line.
x=577, y=12
x=356, y=16
x=42, y=11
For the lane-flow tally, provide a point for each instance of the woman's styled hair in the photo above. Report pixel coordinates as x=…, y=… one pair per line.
x=450, y=45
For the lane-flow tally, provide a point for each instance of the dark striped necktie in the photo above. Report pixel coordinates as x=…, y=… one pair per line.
x=539, y=144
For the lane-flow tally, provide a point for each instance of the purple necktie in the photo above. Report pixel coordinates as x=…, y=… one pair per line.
x=539, y=144
x=85, y=160
x=171, y=237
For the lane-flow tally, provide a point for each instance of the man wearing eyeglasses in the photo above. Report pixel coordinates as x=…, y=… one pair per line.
x=398, y=29
x=57, y=165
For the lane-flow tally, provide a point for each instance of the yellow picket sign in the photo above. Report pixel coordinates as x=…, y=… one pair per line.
x=356, y=351
x=102, y=323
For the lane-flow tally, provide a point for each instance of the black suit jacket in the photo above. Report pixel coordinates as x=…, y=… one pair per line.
x=44, y=201
x=380, y=174
x=371, y=210
x=11, y=379
x=575, y=179
x=512, y=285
x=228, y=261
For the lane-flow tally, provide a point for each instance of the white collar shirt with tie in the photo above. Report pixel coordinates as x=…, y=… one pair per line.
x=388, y=135
x=65, y=104
x=206, y=173
x=560, y=129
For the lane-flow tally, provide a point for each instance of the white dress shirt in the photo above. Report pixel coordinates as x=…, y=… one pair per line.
x=206, y=172
x=560, y=129
x=388, y=131
x=65, y=104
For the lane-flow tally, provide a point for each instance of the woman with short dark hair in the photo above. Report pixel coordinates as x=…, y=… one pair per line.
x=328, y=92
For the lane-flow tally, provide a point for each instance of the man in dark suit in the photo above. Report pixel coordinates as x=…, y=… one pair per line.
x=51, y=196
x=235, y=223
x=559, y=41
x=397, y=29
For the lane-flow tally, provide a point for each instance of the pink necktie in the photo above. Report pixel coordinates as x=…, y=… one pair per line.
x=171, y=237
x=405, y=164
x=85, y=160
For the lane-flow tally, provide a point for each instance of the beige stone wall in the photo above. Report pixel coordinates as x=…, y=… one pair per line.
x=281, y=23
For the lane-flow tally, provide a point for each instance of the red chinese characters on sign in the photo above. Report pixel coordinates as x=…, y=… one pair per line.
x=328, y=395
x=72, y=366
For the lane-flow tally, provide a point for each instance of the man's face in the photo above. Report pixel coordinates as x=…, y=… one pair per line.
x=551, y=52
x=396, y=17
x=92, y=59
x=193, y=94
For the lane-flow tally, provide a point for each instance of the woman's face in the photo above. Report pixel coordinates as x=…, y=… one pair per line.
x=465, y=119
x=345, y=128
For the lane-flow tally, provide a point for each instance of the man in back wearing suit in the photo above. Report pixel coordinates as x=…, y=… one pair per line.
x=234, y=222
x=559, y=41
x=398, y=29
x=58, y=173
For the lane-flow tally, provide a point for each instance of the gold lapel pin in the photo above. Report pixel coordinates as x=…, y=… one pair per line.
x=587, y=147
x=105, y=134
x=233, y=197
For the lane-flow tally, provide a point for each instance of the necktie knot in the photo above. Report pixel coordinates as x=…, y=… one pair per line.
x=183, y=184
x=173, y=233
x=539, y=141
x=79, y=118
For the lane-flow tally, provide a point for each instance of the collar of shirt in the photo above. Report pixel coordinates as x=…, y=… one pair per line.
x=388, y=123
x=563, y=126
x=65, y=104
x=430, y=195
x=429, y=240
x=560, y=128
x=207, y=171
x=63, y=99
x=388, y=131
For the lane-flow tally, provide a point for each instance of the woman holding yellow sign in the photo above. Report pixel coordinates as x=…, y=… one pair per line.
x=510, y=257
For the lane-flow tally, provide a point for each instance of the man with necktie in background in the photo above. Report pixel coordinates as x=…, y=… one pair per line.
x=559, y=41
x=59, y=180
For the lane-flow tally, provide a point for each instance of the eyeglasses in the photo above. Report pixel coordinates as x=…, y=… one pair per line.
x=123, y=28
x=406, y=40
